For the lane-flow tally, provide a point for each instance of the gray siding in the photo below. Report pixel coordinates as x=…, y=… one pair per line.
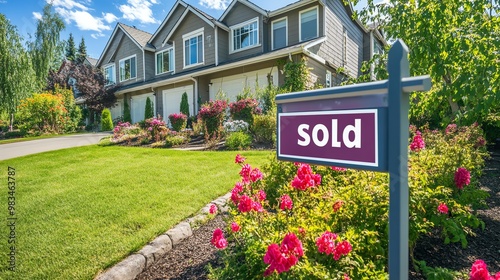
x=336, y=19
x=150, y=65
x=293, y=27
x=192, y=23
x=239, y=14
x=109, y=56
x=223, y=45
x=162, y=34
x=127, y=48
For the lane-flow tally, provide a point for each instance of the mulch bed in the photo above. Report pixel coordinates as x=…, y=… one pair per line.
x=189, y=259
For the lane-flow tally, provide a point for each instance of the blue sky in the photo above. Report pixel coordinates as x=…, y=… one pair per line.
x=94, y=20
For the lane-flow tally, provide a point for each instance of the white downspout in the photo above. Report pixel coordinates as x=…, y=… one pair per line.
x=144, y=65
x=195, y=95
x=216, y=46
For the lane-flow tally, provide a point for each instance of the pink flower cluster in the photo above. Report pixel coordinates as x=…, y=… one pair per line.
x=442, y=208
x=249, y=174
x=120, y=125
x=242, y=104
x=235, y=227
x=305, y=178
x=213, y=209
x=327, y=244
x=177, y=116
x=246, y=204
x=212, y=109
x=479, y=271
x=451, y=128
x=239, y=159
x=462, y=178
x=282, y=257
x=418, y=142
x=286, y=202
x=338, y=169
x=218, y=239
x=155, y=122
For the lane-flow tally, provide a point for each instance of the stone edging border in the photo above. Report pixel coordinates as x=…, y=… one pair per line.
x=133, y=265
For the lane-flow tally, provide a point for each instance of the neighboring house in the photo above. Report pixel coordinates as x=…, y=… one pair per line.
x=195, y=53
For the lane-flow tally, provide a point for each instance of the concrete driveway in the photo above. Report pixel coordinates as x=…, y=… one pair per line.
x=13, y=150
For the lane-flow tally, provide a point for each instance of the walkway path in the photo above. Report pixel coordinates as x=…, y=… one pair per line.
x=13, y=150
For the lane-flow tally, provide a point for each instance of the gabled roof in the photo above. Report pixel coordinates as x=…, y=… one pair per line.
x=292, y=6
x=92, y=61
x=203, y=16
x=177, y=3
x=246, y=3
x=139, y=37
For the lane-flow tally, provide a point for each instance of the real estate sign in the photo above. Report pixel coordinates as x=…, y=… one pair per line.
x=362, y=126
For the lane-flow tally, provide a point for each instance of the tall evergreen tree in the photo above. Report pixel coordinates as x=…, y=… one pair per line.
x=16, y=72
x=46, y=49
x=149, y=110
x=82, y=52
x=71, y=48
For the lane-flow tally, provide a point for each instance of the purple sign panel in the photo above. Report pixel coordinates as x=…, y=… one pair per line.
x=340, y=136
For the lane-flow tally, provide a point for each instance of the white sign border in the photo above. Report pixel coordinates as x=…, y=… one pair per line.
x=331, y=112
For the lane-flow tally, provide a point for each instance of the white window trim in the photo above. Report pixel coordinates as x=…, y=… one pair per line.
x=188, y=36
x=171, y=49
x=272, y=31
x=114, y=72
x=344, y=46
x=317, y=21
x=239, y=25
x=123, y=59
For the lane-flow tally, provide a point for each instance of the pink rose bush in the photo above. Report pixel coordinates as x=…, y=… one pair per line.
x=218, y=239
x=213, y=209
x=300, y=221
x=479, y=271
x=462, y=178
x=178, y=121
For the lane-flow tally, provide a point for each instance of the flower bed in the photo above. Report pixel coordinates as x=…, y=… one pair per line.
x=301, y=221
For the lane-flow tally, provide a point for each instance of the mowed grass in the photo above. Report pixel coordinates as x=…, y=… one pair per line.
x=81, y=210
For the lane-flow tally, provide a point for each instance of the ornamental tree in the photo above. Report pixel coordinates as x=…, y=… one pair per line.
x=457, y=42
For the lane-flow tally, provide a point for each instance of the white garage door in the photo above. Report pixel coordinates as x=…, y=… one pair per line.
x=172, y=100
x=233, y=85
x=117, y=111
x=138, y=106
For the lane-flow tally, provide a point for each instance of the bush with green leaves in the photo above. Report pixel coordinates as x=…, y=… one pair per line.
x=126, y=112
x=296, y=221
x=106, y=121
x=178, y=121
x=184, y=108
x=212, y=114
x=264, y=129
x=238, y=140
x=245, y=110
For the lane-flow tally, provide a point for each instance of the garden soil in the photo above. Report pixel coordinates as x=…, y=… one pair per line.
x=190, y=258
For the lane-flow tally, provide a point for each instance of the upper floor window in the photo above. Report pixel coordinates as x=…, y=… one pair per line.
x=309, y=24
x=165, y=61
x=193, y=48
x=128, y=68
x=280, y=38
x=245, y=35
x=109, y=74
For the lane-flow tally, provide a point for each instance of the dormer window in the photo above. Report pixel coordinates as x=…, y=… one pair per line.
x=245, y=35
x=309, y=24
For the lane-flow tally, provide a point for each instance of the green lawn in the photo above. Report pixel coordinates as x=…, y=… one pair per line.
x=82, y=210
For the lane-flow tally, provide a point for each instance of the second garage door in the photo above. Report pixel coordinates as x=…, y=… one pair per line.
x=172, y=100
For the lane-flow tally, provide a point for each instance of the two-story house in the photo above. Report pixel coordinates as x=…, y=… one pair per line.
x=195, y=53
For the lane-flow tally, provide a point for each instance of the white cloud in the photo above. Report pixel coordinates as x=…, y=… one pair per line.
x=68, y=4
x=109, y=17
x=76, y=11
x=214, y=4
x=97, y=35
x=37, y=15
x=139, y=10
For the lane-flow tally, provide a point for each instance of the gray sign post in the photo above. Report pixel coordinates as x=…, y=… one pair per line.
x=362, y=126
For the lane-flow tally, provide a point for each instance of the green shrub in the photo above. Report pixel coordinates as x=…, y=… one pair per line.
x=43, y=113
x=184, y=105
x=353, y=205
x=212, y=114
x=238, y=141
x=127, y=118
x=178, y=121
x=264, y=129
x=149, y=110
x=245, y=110
x=14, y=134
x=106, y=121
x=175, y=140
